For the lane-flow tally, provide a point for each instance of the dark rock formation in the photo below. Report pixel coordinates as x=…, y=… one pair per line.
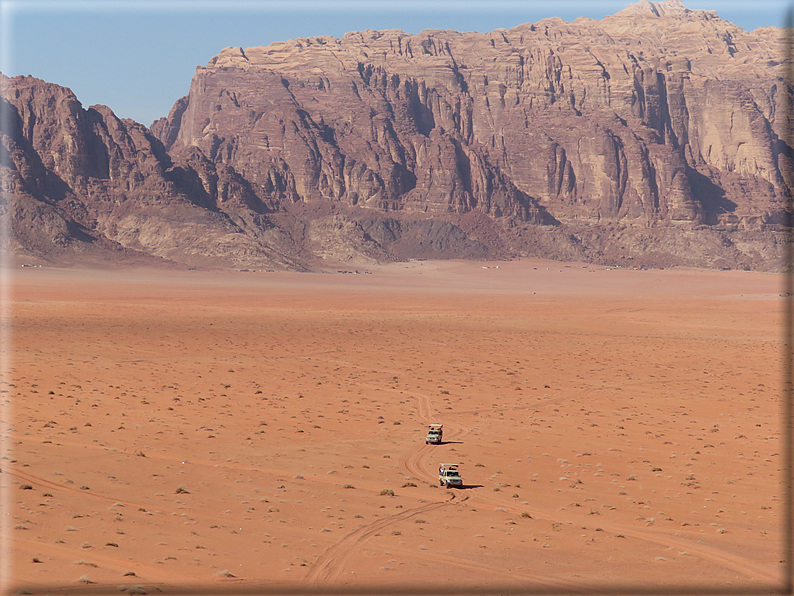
x=652, y=137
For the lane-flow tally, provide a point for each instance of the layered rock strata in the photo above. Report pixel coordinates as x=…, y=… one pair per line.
x=654, y=136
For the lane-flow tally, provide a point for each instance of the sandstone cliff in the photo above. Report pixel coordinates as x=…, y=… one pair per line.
x=652, y=137
x=80, y=182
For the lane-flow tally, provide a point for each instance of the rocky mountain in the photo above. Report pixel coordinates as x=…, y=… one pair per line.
x=653, y=137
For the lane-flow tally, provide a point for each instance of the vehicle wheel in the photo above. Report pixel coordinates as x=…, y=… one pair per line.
x=440, y=483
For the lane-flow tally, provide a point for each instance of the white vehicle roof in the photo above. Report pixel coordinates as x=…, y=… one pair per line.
x=435, y=425
x=450, y=465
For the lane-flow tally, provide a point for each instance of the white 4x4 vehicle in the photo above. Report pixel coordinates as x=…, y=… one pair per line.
x=434, y=434
x=448, y=475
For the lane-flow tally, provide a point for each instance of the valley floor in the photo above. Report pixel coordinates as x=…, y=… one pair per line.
x=227, y=429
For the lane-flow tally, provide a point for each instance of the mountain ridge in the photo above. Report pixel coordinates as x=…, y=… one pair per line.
x=652, y=137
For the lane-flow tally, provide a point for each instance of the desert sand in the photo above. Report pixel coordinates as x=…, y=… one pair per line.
x=226, y=428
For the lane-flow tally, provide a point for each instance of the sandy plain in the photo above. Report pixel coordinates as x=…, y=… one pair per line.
x=183, y=429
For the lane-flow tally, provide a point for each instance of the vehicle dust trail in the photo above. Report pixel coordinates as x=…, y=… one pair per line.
x=330, y=564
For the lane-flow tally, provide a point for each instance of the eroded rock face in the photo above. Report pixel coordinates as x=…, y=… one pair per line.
x=652, y=136
x=617, y=120
x=84, y=181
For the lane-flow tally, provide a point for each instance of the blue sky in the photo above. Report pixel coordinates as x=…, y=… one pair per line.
x=138, y=56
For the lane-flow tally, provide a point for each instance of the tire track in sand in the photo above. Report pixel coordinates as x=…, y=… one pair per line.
x=330, y=564
x=708, y=553
x=537, y=579
x=415, y=463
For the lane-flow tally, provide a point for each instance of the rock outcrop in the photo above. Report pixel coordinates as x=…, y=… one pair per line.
x=78, y=182
x=652, y=137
